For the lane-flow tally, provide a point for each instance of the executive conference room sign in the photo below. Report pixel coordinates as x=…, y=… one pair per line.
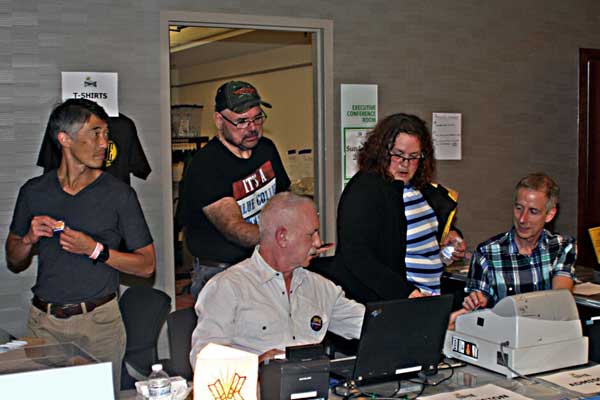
x=358, y=117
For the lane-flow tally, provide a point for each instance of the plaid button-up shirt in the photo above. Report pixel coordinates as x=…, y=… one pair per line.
x=498, y=270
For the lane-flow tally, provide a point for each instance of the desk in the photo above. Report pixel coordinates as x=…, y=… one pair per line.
x=472, y=376
x=463, y=377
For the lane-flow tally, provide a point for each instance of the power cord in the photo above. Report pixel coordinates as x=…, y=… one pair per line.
x=349, y=390
x=505, y=362
x=433, y=384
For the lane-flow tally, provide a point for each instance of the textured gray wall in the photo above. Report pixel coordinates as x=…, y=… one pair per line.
x=509, y=66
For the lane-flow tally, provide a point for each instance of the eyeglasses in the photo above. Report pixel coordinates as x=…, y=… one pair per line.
x=400, y=157
x=243, y=123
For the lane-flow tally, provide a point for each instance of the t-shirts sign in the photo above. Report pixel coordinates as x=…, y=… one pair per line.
x=100, y=87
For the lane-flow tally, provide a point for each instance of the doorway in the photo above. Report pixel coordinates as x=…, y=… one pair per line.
x=202, y=51
x=588, y=213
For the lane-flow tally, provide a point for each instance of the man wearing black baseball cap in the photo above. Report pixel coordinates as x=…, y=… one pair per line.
x=228, y=182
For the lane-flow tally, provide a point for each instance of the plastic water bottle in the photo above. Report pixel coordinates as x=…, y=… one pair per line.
x=159, y=385
x=446, y=252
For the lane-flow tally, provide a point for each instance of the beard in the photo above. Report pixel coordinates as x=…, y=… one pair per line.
x=240, y=145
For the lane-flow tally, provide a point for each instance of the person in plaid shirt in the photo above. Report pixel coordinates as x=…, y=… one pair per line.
x=528, y=257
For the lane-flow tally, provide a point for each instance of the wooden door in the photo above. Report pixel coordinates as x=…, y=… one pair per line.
x=588, y=210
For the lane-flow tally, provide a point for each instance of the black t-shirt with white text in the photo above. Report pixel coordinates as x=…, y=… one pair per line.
x=215, y=173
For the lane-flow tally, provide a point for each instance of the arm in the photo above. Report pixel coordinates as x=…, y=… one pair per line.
x=19, y=250
x=563, y=273
x=459, y=248
x=347, y=316
x=453, y=316
x=140, y=262
x=562, y=282
x=269, y=355
x=226, y=216
x=215, y=308
x=475, y=300
x=478, y=287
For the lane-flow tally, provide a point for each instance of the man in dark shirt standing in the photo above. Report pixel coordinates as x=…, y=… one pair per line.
x=74, y=218
x=228, y=182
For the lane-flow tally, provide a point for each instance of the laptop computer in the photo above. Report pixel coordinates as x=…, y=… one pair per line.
x=399, y=337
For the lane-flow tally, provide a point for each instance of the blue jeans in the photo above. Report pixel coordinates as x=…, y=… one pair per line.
x=202, y=274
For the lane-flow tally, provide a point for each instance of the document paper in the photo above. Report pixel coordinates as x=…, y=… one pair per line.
x=488, y=391
x=584, y=381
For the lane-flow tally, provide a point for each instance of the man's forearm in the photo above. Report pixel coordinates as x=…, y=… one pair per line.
x=19, y=252
x=226, y=216
x=562, y=282
x=243, y=233
x=141, y=262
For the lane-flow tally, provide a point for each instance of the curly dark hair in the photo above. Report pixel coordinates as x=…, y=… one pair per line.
x=374, y=155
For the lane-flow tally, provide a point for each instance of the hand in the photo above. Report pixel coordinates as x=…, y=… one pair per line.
x=270, y=354
x=41, y=226
x=460, y=246
x=77, y=242
x=474, y=301
x=417, y=293
x=453, y=316
x=324, y=248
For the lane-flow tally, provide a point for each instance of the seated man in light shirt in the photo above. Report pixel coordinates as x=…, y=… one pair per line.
x=528, y=257
x=270, y=301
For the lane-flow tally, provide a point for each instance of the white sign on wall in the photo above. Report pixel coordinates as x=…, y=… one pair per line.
x=358, y=116
x=446, y=129
x=100, y=87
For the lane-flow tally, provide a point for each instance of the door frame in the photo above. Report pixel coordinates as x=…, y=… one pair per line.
x=322, y=31
x=586, y=253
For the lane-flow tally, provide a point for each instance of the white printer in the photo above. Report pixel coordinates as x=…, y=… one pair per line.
x=529, y=333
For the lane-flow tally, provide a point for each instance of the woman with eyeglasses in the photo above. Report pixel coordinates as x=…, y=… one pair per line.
x=392, y=219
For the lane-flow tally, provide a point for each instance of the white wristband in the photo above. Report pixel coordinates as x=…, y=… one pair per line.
x=99, y=247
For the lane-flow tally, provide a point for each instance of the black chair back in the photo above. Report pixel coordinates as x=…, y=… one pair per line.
x=181, y=324
x=144, y=311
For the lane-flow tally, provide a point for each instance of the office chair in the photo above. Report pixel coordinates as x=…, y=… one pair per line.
x=144, y=311
x=180, y=325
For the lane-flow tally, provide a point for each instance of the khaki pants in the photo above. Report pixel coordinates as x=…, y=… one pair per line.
x=100, y=332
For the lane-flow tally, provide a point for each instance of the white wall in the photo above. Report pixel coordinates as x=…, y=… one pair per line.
x=510, y=66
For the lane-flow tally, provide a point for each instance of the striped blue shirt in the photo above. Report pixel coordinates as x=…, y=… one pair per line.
x=423, y=265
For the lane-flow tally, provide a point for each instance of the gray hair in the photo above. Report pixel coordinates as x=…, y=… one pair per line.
x=281, y=210
x=541, y=182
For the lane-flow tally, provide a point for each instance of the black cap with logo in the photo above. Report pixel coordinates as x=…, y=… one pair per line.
x=237, y=96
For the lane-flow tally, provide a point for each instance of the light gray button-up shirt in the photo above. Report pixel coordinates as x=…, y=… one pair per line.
x=247, y=307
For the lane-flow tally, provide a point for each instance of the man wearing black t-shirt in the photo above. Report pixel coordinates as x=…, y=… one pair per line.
x=228, y=182
x=74, y=218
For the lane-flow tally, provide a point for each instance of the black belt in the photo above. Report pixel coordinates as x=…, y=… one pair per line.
x=68, y=310
x=212, y=263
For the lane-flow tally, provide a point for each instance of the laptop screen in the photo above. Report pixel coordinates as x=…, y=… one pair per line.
x=401, y=336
